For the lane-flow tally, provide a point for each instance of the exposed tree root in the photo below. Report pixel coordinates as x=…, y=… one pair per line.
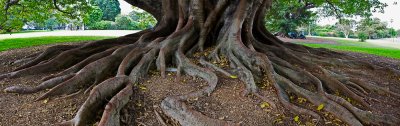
x=203, y=32
x=97, y=100
x=112, y=111
x=187, y=116
x=45, y=85
x=47, y=54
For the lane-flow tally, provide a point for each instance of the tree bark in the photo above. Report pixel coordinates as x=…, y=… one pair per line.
x=234, y=30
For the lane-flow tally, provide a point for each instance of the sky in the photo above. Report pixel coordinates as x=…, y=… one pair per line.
x=125, y=7
x=391, y=12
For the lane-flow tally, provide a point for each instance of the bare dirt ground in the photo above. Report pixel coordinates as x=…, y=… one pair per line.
x=22, y=109
x=225, y=103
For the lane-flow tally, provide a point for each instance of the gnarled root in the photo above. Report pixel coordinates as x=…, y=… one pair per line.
x=96, y=100
x=187, y=116
x=112, y=111
x=232, y=33
x=45, y=85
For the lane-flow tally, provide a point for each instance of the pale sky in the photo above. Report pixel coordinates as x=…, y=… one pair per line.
x=391, y=12
x=125, y=7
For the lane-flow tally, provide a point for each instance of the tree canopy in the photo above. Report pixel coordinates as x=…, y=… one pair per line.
x=15, y=13
x=346, y=26
x=286, y=15
x=373, y=27
x=110, y=8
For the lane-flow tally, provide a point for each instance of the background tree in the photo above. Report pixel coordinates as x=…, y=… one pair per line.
x=311, y=27
x=190, y=36
x=392, y=32
x=371, y=27
x=51, y=23
x=15, y=13
x=104, y=25
x=110, y=8
x=346, y=26
x=326, y=30
x=136, y=20
x=398, y=32
x=362, y=36
x=141, y=19
x=123, y=22
x=93, y=16
x=287, y=15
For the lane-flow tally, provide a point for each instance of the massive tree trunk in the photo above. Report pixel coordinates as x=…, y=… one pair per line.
x=207, y=31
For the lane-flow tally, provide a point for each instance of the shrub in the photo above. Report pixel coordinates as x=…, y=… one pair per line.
x=362, y=36
x=124, y=22
x=103, y=25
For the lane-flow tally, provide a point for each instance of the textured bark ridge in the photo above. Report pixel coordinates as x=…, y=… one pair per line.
x=189, y=36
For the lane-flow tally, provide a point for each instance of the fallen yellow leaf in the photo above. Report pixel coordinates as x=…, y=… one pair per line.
x=264, y=104
x=296, y=118
x=348, y=99
x=143, y=87
x=320, y=107
x=45, y=101
x=233, y=76
x=301, y=100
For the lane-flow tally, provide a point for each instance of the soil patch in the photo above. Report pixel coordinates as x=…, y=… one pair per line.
x=22, y=110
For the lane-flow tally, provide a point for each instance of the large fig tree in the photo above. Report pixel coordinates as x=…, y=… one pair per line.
x=190, y=36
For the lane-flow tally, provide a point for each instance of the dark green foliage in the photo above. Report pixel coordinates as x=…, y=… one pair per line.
x=362, y=36
x=110, y=8
x=398, y=32
x=392, y=32
x=93, y=16
x=103, y=25
x=326, y=31
x=349, y=8
x=14, y=16
x=136, y=20
x=286, y=16
x=51, y=23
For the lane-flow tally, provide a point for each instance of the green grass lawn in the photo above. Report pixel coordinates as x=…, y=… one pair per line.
x=24, y=31
x=6, y=44
x=361, y=47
